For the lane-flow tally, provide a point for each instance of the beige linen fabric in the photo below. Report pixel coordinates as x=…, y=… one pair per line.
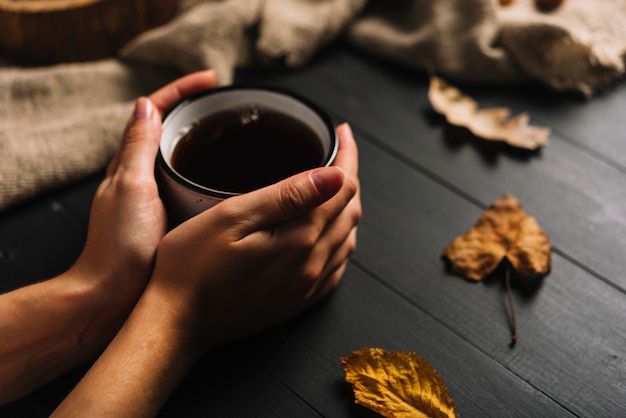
x=61, y=123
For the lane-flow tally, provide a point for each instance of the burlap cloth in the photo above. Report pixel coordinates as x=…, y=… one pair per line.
x=61, y=123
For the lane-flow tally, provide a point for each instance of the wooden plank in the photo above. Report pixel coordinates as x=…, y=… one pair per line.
x=38, y=240
x=192, y=394
x=572, y=319
x=224, y=384
x=228, y=383
x=420, y=189
x=305, y=353
x=576, y=197
x=594, y=125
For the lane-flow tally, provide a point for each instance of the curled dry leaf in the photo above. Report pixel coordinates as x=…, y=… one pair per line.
x=504, y=230
x=397, y=384
x=490, y=124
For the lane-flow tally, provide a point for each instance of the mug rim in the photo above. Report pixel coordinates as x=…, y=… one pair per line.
x=222, y=194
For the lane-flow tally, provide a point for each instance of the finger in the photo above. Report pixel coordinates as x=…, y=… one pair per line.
x=140, y=142
x=285, y=200
x=347, y=159
x=112, y=166
x=341, y=252
x=335, y=245
x=347, y=156
x=167, y=97
x=328, y=285
x=328, y=221
x=334, y=269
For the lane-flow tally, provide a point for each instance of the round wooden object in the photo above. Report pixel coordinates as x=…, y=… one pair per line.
x=53, y=31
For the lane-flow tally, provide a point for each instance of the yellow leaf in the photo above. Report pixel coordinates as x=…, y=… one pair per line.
x=504, y=230
x=397, y=384
x=490, y=124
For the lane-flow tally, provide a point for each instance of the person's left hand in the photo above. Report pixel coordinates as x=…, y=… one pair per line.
x=127, y=218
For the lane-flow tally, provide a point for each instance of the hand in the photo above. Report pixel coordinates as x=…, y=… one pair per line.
x=257, y=259
x=52, y=326
x=127, y=218
x=244, y=265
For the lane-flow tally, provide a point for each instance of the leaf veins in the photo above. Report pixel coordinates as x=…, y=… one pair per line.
x=504, y=230
x=397, y=384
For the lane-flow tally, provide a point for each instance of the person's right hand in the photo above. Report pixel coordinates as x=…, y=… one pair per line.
x=257, y=259
x=246, y=264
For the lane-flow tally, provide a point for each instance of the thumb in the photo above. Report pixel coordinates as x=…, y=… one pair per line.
x=140, y=141
x=288, y=198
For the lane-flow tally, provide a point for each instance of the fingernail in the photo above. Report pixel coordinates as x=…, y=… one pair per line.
x=327, y=180
x=143, y=108
x=345, y=126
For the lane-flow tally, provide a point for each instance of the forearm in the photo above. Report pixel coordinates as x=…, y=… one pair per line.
x=48, y=329
x=138, y=371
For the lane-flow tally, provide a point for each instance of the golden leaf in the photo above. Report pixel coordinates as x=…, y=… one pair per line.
x=504, y=230
x=490, y=124
x=397, y=384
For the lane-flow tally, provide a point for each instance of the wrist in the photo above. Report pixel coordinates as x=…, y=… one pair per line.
x=51, y=327
x=111, y=289
x=90, y=302
x=171, y=312
x=139, y=369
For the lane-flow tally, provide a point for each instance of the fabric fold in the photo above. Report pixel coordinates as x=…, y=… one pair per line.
x=61, y=123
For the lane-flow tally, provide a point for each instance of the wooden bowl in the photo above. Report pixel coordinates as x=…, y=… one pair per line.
x=52, y=31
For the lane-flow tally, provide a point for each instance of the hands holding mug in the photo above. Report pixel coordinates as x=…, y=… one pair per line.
x=243, y=265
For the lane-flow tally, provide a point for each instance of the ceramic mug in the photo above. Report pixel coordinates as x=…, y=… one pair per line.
x=256, y=115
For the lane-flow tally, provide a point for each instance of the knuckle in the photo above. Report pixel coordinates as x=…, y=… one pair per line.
x=134, y=133
x=310, y=274
x=351, y=247
x=351, y=241
x=357, y=215
x=308, y=240
x=226, y=210
x=352, y=187
x=290, y=198
x=130, y=183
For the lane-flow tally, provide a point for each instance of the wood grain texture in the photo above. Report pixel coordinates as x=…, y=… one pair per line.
x=423, y=183
x=46, y=32
x=575, y=195
x=571, y=322
x=38, y=241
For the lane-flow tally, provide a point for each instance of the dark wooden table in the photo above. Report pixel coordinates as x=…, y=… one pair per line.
x=423, y=183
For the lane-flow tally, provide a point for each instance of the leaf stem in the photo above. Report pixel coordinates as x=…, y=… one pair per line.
x=512, y=307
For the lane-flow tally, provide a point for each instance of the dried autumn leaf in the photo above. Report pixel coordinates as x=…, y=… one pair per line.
x=490, y=124
x=397, y=384
x=504, y=230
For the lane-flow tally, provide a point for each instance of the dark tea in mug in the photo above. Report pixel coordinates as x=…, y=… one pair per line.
x=246, y=149
x=232, y=140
